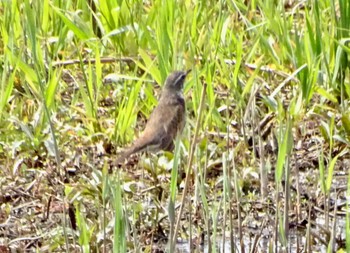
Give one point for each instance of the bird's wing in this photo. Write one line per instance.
(167, 120)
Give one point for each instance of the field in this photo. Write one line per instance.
(261, 166)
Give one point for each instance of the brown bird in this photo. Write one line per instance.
(166, 121)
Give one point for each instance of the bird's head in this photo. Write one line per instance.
(175, 81)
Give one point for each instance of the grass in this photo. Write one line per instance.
(270, 151)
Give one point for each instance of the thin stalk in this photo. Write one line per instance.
(238, 197)
(188, 176)
(286, 202)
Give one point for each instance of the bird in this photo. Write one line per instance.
(166, 121)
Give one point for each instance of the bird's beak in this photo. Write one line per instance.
(188, 71)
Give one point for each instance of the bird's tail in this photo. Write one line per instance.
(140, 145)
(128, 152)
(124, 156)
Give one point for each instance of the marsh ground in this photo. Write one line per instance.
(262, 165)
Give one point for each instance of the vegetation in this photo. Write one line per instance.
(262, 164)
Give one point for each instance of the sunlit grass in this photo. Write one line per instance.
(254, 58)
